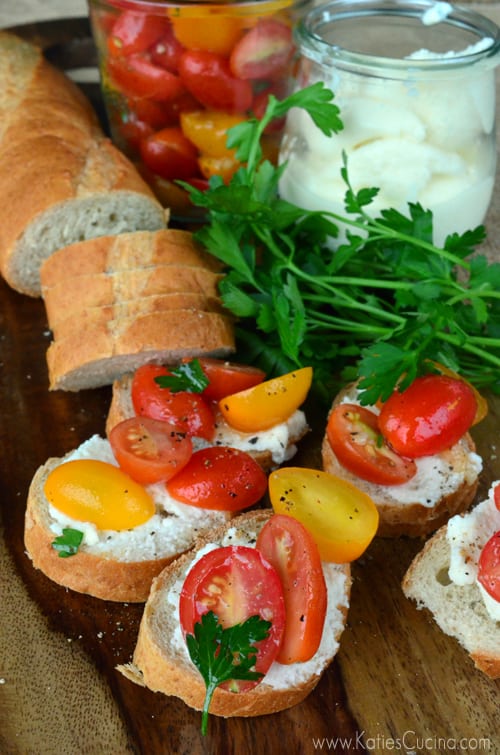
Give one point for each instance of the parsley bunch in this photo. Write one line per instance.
(379, 307)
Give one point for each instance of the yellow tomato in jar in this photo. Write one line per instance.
(341, 518)
(213, 32)
(207, 129)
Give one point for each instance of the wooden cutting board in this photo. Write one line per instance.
(397, 685)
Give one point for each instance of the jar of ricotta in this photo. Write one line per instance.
(415, 84)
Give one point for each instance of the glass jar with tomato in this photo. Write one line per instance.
(176, 76)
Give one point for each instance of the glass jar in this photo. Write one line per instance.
(415, 84)
(176, 75)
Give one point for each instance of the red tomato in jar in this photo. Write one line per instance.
(167, 51)
(189, 411)
(264, 52)
(133, 131)
(137, 76)
(219, 478)
(155, 114)
(355, 438)
(169, 154)
(235, 582)
(292, 551)
(150, 450)
(227, 377)
(135, 32)
(431, 415)
(208, 77)
(489, 567)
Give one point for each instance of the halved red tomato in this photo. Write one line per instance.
(228, 377)
(264, 51)
(137, 76)
(135, 32)
(208, 77)
(167, 51)
(169, 154)
(291, 549)
(431, 415)
(489, 566)
(496, 496)
(150, 450)
(356, 441)
(189, 411)
(235, 583)
(219, 478)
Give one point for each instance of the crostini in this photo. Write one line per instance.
(457, 578)
(418, 475)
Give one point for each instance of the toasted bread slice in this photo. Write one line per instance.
(445, 484)
(161, 661)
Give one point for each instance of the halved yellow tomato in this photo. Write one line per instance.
(214, 32)
(268, 403)
(207, 129)
(95, 491)
(341, 518)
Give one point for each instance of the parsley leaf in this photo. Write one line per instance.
(223, 654)
(68, 543)
(188, 376)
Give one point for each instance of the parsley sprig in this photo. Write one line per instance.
(187, 376)
(379, 307)
(223, 654)
(68, 543)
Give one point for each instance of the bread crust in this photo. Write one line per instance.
(155, 667)
(406, 519)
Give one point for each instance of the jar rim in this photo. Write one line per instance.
(219, 6)
(311, 28)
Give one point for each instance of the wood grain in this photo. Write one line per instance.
(397, 685)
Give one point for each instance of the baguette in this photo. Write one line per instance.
(452, 593)
(445, 484)
(269, 449)
(161, 661)
(61, 179)
(108, 351)
(120, 566)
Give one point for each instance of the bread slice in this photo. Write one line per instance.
(126, 251)
(161, 661)
(120, 566)
(457, 609)
(106, 351)
(269, 449)
(61, 179)
(445, 484)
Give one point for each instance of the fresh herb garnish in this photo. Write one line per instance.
(379, 307)
(221, 654)
(68, 543)
(188, 376)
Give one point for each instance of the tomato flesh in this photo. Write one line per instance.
(496, 496)
(267, 404)
(150, 450)
(341, 518)
(235, 582)
(355, 439)
(100, 493)
(430, 416)
(489, 566)
(226, 378)
(189, 411)
(264, 52)
(219, 478)
(292, 551)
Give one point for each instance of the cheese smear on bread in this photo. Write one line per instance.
(467, 536)
(281, 676)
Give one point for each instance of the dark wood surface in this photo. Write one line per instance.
(397, 685)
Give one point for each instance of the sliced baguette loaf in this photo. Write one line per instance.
(161, 661)
(111, 565)
(61, 179)
(107, 351)
(445, 484)
(457, 609)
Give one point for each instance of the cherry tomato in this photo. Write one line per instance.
(226, 377)
(268, 403)
(482, 404)
(225, 167)
(356, 441)
(189, 411)
(431, 415)
(219, 478)
(97, 492)
(167, 51)
(292, 551)
(207, 76)
(208, 130)
(135, 32)
(136, 76)
(341, 518)
(235, 582)
(264, 52)
(150, 450)
(169, 154)
(133, 131)
(155, 114)
(213, 33)
(496, 496)
(489, 567)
